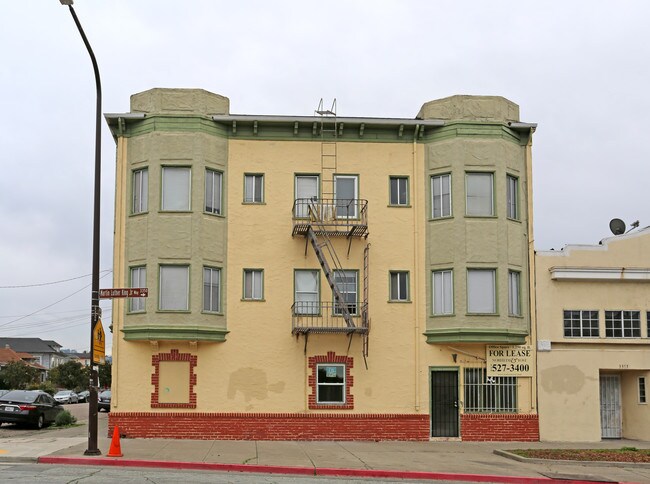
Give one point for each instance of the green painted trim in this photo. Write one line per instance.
(205, 187)
(175, 333)
(476, 335)
(189, 288)
(471, 129)
(254, 202)
(220, 312)
(243, 284)
(161, 123)
(408, 286)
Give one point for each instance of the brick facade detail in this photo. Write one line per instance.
(331, 357)
(173, 355)
(499, 427)
(269, 426)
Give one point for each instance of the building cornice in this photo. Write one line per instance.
(634, 274)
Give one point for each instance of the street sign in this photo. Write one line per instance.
(99, 343)
(124, 292)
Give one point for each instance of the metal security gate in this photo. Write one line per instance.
(444, 403)
(610, 407)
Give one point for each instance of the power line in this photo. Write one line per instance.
(50, 283)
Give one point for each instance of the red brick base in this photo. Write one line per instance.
(499, 427)
(271, 426)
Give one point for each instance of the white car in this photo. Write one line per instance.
(66, 396)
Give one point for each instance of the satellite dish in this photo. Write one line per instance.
(617, 226)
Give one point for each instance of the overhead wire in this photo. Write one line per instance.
(50, 283)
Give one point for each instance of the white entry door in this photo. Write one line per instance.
(610, 407)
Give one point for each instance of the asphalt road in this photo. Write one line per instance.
(78, 410)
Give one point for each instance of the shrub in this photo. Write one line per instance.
(64, 418)
(48, 387)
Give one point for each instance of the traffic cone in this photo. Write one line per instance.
(115, 450)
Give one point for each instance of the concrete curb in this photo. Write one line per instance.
(590, 463)
(304, 471)
(6, 459)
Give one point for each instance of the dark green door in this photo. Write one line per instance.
(444, 403)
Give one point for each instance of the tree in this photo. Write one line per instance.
(105, 375)
(17, 375)
(71, 375)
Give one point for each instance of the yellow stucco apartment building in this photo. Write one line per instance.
(323, 277)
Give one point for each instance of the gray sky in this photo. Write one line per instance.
(579, 69)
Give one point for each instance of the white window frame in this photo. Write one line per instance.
(442, 283)
(353, 304)
(396, 292)
(211, 282)
(140, 191)
(624, 322)
(319, 384)
(398, 186)
(514, 293)
(169, 203)
(347, 208)
(302, 210)
(475, 204)
(475, 304)
(253, 291)
(512, 197)
(181, 285)
(213, 192)
(138, 276)
(253, 182)
(583, 323)
(306, 302)
(438, 185)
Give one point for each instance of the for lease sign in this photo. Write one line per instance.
(509, 360)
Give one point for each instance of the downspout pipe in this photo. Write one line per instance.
(416, 270)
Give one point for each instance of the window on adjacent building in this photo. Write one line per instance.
(479, 193)
(138, 279)
(253, 284)
(622, 324)
(581, 324)
(514, 293)
(346, 282)
(307, 292)
(481, 291)
(330, 385)
(346, 194)
(485, 394)
(512, 196)
(212, 289)
(213, 186)
(174, 288)
(642, 394)
(176, 188)
(399, 190)
(399, 286)
(140, 191)
(307, 187)
(440, 196)
(443, 292)
(254, 188)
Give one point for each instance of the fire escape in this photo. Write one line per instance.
(319, 220)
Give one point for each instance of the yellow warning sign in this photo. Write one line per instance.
(99, 343)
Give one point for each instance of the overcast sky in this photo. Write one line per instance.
(580, 69)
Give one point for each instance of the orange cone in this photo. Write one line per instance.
(115, 450)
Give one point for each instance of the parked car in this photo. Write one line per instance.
(83, 396)
(66, 396)
(2, 392)
(104, 401)
(28, 407)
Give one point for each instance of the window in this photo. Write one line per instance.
(642, 394)
(212, 289)
(479, 194)
(346, 192)
(485, 394)
(581, 324)
(399, 286)
(346, 282)
(514, 293)
(253, 188)
(481, 291)
(213, 185)
(138, 279)
(622, 324)
(440, 196)
(140, 190)
(443, 292)
(174, 288)
(253, 284)
(307, 292)
(512, 194)
(399, 190)
(176, 188)
(306, 191)
(330, 386)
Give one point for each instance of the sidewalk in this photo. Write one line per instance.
(468, 461)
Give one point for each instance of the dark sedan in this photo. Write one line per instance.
(104, 401)
(28, 407)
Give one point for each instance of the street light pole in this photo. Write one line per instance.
(94, 308)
